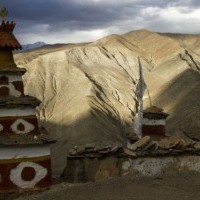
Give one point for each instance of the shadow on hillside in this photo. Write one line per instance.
(183, 96)
(98, 129)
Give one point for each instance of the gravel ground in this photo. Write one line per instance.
(169, 187)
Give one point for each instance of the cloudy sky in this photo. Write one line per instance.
(69, 21)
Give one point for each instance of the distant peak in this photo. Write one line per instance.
(35, 45)
(140, 31)
(108, 38)
(143, 30)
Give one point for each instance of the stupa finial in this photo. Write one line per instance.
(3, 12)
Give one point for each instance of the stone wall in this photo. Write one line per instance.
(151, 166)
(96, 169)
(143, 157)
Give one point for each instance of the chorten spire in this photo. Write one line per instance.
(3, 12)
(8, 42)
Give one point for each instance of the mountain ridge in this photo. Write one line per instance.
(88, 89)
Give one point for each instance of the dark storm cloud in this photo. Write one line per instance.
(72, 13)
(192, 3)
(57, 15)
(52, 17)
(168, 3)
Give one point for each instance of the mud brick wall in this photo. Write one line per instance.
(95, 169)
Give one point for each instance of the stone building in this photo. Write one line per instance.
(25, 157)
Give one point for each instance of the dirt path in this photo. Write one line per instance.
(169, 187)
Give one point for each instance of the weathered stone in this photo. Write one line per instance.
(91, 167)
(181, 145)
(197, 146)
(162, 151)
(110, 166)
(143, 142)
(102, 148)
(74, 172)
(105, 151)
(175, 151)
(93, 155)
(90, 150)
(72, 152)
(80, 149)
(172, 142)
(133, 147)
(91, 145)
(175, 140)
(189, 144)
(152, 146)
(132, 137)
(164, 143)
(114, 149)
(125, 168)
(101, 175)
(130, 153)
(126, 165)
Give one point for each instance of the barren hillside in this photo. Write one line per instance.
(87, 90)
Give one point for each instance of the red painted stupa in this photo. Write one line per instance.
(25, 157)
(154, 121)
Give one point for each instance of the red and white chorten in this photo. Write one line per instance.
(154, 121)
(25, 157)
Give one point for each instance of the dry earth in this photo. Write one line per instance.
(87, 90)
(171, 186)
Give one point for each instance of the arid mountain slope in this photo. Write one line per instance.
(189, 41)
(87, 90)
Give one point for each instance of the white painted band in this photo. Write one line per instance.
(13, 77)
(12, 90)
(25, 152)
(28, 127)
(16, 178)
(154, 122)
(27, 111)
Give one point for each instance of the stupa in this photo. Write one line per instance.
(25, 157)
(154, 121)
